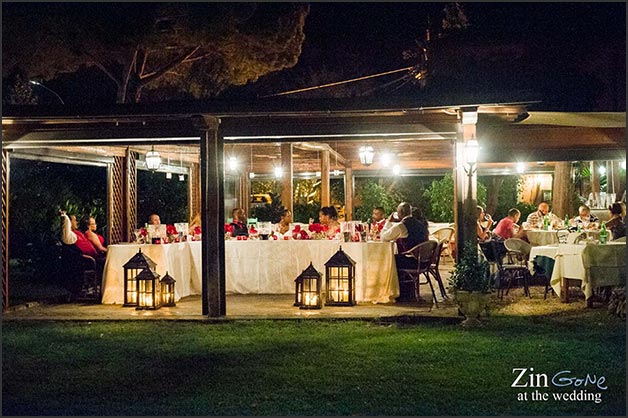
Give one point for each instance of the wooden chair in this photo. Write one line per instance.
(424, 254)
(445, 235)
(518, 253)
(79, 274)
(562, 235)
(434, 269)
(494, 251)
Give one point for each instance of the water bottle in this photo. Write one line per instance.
(603, 234)
(546, 222)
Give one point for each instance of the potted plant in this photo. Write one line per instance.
(470, 284)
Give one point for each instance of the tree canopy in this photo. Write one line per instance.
(154, 51)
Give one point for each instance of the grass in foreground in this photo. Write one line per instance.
(307, 367)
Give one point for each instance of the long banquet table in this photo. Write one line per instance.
(259, 267)
(593, 264)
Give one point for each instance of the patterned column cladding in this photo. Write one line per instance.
(194, 195)
(117, 201)
(5, 230)
(131, 193)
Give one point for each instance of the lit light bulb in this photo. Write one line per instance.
(251, 175)
(396, 169)
(168, 175)
(386, 159)
(278, 172)
(233, 163)
(623, 165)
(336, 172)
(181, 177)
(521, 167)
(602, 170)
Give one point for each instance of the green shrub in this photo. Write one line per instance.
(471, 272)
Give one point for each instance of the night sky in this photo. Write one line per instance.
(573, 54)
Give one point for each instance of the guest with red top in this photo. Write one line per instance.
(70, 234)
(508, 228)
(239, 223)
(88, 227)
(328, 217)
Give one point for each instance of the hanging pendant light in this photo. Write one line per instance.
(366, 154)
(153, 159)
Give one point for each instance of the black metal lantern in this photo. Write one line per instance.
(307, 293)
(340, 280)
(167, 290)
(132, 268)
(148, 290)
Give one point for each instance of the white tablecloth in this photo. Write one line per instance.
(259, 266)
(541, 237)
(175, 259)
(570, 263)
(272, 266)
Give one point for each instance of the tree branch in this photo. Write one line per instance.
(147, 78)
(104, 68)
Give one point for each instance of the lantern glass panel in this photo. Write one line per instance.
(148, 291)
(311, 293)
(167, 294)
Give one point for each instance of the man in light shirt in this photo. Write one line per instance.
(406, 231)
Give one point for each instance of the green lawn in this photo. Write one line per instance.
(307, 367)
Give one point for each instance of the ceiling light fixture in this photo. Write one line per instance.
(153, 159)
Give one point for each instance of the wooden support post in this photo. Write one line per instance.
(348, 192)
(595, 177)
(194, 192)
(562, 190)
(465, 185)
(244, 192)
(213, 219)
(325, 194)
(5, 229)
(286, 181)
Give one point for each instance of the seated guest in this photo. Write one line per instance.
(378, 220)
(508, 228)
(617, 222)
(153, 219)
(484, 223)
(535, 219)
(88, 227)
(284, 221)
(328, 216)
(407, 231)
(71, 235)
(584, 218)
(239, 223)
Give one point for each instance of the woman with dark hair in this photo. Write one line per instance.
(88, 227)
(484, 232)
(617, 222)
(328, 216)
(284, 221)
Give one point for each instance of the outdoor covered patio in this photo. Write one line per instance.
(301, 138)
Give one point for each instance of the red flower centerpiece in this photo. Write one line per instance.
(172, 233)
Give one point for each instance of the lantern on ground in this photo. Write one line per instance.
(167, 290)
(340, 280)
(132, 268)
(148, 290)
(308, 289)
